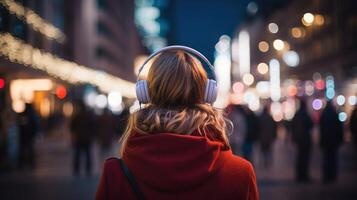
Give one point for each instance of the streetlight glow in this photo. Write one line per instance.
(263, 46)
(262, 68)
(17, 51)
(278, 44)
(308, 19)
(273, 28)
(291, 58)
(248, 79)
(319, 20)
(244, 52)
(275, 91)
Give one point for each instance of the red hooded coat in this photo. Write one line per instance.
(174, 166)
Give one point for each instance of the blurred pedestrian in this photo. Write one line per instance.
(353, 127)
(9, 119)
(121, 122)
(176, 147)
(238, 118)
(331, 137)
(28, 126)
(106, 133)
(252, 133)
(83, 130)
(268, 129)
(301, 135)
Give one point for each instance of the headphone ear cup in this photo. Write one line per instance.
(142, 91)
(211, 91)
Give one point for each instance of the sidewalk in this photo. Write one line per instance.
(52, 178)
(278, 182)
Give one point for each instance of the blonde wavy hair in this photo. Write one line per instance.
(177, 83)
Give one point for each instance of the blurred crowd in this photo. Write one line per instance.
(85, 128)
(260, 131)
(252, 132)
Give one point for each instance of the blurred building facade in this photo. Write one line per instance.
(51, 51)
(104, 35)
(152, 20)
(97, 34)
(303, 49)
(321, 32)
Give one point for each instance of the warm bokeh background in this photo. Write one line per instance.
(68, 71)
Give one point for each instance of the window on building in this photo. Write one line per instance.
(103, 53)
(4, 15)
(18, 28)
(102, 4)
(104, 30)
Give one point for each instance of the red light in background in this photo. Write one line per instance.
(292, 90)
(61, 92)
(2, 83)
(320, 84)
(238, 87)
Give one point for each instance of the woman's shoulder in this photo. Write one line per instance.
(239, 174)
(113, 172)
(239, 165)
(113, 161)
(113, 184)
(112, 166)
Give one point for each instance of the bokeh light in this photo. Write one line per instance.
(274, 73)
(263, 68)
(307, 19)
(320, 84)
(352, 100)
(342, 116)
(289, 108)
(340, 100)
(114, 100)
(309, 88)
(317, 104)
(67, 109)
(319, 20)
(292, 90)
(101, 101)
(273, 28)
(330, 83)
(263, 46)
(263, 89)
(89, 98)
(22, 53)
(248, 79)
(278, 44)
(297, 32)
(291, 58)
(252, 8)
(277, 111)
(18, 106)
(316, 76)
(330, 93)
(61, 92)
(34, 20)
(2, 83)
(238, 87)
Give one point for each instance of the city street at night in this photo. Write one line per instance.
(191, 99)
(53, 178)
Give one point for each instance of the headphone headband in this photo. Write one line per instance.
(179, 47)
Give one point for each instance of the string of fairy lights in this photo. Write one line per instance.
(19, 52)
(34, 20)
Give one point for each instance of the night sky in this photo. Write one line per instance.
(200, 23)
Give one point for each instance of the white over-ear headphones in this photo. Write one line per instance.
(142, 87)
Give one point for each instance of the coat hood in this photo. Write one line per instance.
(173, 162)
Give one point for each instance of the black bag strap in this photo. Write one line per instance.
(131, 180)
